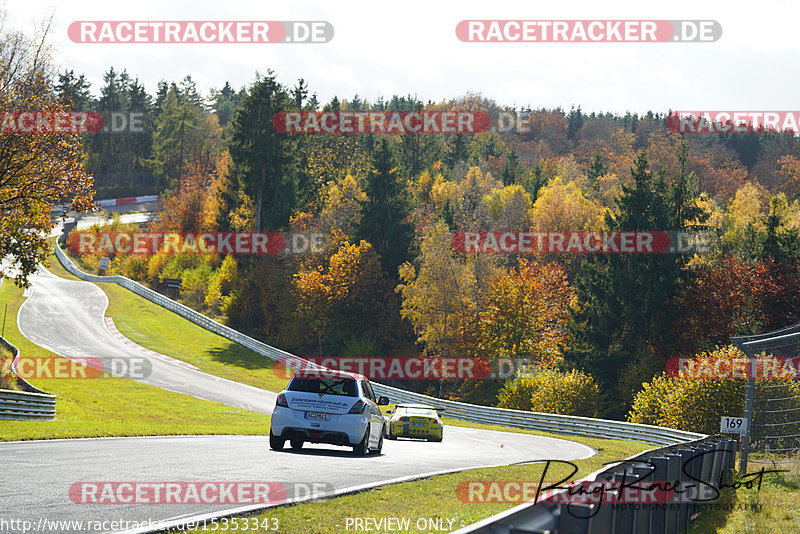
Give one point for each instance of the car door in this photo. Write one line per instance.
(375, 416)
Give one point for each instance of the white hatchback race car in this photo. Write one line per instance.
(334, 407)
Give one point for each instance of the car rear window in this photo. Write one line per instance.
(418, 411)
(341, 387)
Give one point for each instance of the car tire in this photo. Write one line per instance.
(378, 450)
(363, 447)
(437, 440)
(389, 434)
(296, 444)
(276, 443)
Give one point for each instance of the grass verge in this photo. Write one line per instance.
(773, 508)
(151, 411)
(161, 330)
(435, 498)
(116, 406)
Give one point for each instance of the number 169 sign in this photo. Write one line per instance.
(733, 425)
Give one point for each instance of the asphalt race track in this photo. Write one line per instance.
(42, 472)
(66, 317)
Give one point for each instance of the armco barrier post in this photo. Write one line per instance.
(543, 518)
(696, 471)
(575, 518)
(603, 520)
(730, 457)
(641, 521)
(720, 461)
(706, 471)
(709, 460)
(624, 514)
(688, 467)
(658, 516)
(674, 474)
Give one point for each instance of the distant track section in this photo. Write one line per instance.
(128, 200)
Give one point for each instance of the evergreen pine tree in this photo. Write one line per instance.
(383, 215)
(624, 297)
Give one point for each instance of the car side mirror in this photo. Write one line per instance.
(383, 401)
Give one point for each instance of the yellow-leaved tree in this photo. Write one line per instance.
(37, 169)
(347, 299)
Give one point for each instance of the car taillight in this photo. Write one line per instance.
(405, 419)
(358, 407)
(282, 401)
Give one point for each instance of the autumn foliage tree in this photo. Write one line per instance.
(348, 299)
(726, 298)
(524, 314)
(689, 404)
(439, 292)
(552, 391)
(37, 170)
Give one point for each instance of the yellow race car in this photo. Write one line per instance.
(415, 421)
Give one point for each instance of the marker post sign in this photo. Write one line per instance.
(733, 425)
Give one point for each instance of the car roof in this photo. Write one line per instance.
(420, 406)
(324, 373)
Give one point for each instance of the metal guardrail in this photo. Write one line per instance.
(562, 424)
(559, 424)
(696, 466)
(184, 311)
(29, 404)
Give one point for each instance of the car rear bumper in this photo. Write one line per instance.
(408, 431)
(317, 436)
(341, 429)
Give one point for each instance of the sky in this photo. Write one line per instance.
(410, 47)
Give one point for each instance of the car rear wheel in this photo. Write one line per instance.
(363, 447)
(389, 434)
(296, 444)
(380, 444)
(275, 442)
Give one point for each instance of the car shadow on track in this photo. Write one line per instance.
(344, 453)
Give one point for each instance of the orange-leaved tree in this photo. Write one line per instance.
(524, 314)
(37, 169)
(348, 299)
(725, 298)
